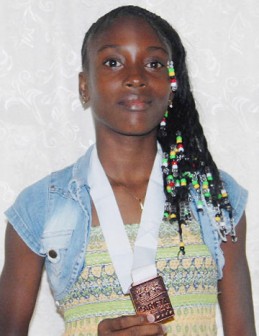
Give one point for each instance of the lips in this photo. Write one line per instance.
(135, 102)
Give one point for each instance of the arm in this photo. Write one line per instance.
(19, 284)
(235, 295)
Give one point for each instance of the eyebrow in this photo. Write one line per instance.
(115, 46)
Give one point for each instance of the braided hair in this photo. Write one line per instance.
(187, 162)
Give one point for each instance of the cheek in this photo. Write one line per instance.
(161, 88)
(163, 94)
(103, 90)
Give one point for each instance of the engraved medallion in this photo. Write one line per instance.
(151, 297)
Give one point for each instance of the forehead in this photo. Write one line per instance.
(126, 30)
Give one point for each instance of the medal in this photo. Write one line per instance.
(151, 297)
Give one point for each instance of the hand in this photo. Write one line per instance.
(139, 325)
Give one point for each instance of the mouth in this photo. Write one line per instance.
(135, 103)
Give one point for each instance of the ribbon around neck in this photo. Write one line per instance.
(130, 266)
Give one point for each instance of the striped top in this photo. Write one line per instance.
(191, 281)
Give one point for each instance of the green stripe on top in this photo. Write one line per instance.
(193, 299)
(191, 251)
(108, 308)
(118, 307)
(98, 258)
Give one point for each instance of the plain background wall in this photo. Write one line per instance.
(43, 126)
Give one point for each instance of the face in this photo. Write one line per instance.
(127, 79)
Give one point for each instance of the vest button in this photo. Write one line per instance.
(53, 254)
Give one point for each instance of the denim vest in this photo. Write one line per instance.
(53, 217)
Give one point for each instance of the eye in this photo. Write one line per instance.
(112, 63)
(155, 65)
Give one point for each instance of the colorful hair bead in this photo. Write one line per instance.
(168, 189)
(217, 217)
(166, 214)
(171, 73)
(205, 185)
(180, 148)
(209, 176)
(181, 248)
(165, 160)
(183, 182)
(179, 138)
(195, 184)
(172, 154)
(163, 125)
(224, 193)
(174, 164)
(163, 122)
(173, 217)
(175, 168)
(177, 183)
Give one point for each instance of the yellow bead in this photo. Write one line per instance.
(183, 182)
(224, 193)
(179, 139)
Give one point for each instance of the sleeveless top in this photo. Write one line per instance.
(191, 281)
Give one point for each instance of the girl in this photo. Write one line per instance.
(150, 162)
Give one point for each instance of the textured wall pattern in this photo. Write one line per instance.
(43, 126)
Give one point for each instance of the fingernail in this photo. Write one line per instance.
(151, 318)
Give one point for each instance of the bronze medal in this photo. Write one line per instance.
(151, 297)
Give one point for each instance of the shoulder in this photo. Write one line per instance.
(31, 209)
(37, 195)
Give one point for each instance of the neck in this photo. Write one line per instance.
(127, 160)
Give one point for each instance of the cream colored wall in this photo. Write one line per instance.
(43, 126)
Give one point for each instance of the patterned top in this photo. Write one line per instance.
(191, 281)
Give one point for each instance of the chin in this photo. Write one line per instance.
(138, 132)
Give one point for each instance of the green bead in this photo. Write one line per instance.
(166, 214)
(179, 139)
(170, 177)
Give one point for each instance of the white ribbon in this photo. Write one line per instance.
(130, 267)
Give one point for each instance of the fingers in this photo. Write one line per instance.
(124, 322)
(137, 325)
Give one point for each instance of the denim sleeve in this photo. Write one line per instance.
(27, 214)
(210, 231)
(237, 197)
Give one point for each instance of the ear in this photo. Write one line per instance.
(83, 88)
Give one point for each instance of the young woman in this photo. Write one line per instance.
(98, 225)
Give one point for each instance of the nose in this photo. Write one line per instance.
(135, 78)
